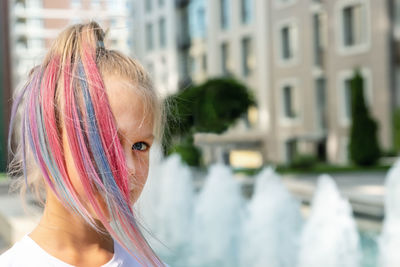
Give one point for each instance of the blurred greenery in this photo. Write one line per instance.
(363, 147)
(304, 161)
(210, 107)
(396, 129)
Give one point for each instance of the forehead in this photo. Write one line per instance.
(130, 106)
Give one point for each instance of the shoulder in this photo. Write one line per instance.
(21, 254)
(14, 256)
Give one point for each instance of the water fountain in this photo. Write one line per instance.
(217, 227)
(389, 241)
(330, 237)
(218, 215)
(273, 224)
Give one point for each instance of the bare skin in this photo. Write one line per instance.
(65, 235)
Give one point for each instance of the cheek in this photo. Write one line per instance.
(138, 168)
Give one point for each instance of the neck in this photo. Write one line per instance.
(62, 229)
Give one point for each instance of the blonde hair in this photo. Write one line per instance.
(69, 87)
(109, 62)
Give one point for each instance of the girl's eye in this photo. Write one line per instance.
(140, 146)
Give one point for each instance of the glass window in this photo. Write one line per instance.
(201, 20)
(397, 12)
(225, 58)
(95, 3)
(197, 19)
(246, 56)
(291, 150)
(286, 42)
(347, 99)
(320, 102)
(224, 13)
(318, 49)
(288, 103)
(354, 25)
(204, 62)
(162, 32)
(246, 11)
(76, 3)
(149, 36)
(148, 5)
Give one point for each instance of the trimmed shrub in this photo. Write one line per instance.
(364, 148)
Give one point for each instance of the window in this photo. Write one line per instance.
(287, 51)
(34, 4)
(397, 12)
(246, 11)
(288, 103)
(318, 44)
(225, 59)
(197, 20)
(354, 25)
(247, 57)
(161, 3)
(201, 20)
(148, 5)
(224, 13)
(162, 32)
(95, 4)
(149, 36)
(35, 43)
(76, 3)
(347, 99)
(36, 23)
(320, 103)
(290, 150)
(204, 62)
(287, 43)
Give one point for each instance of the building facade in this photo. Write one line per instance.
(298, 57)
(35, 23)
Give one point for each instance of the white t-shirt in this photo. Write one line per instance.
(27, 252)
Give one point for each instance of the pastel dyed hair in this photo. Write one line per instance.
(66, 95)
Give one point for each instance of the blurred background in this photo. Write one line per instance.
(306, 86)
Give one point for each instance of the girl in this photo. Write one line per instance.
(89, 117)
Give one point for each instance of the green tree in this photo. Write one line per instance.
(210, 107)
(364, 147)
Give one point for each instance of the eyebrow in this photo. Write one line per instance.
(125, 136)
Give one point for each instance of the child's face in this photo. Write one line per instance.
(135, 130)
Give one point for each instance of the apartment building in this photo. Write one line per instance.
(298, 57)
(162, 41)
(35, 23)
(316, 46)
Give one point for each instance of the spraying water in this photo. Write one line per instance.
(167, 206)
(330, 236)
(272, 229)
(217, 220)
(389, 242)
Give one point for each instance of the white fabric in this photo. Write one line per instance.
(27, 252)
